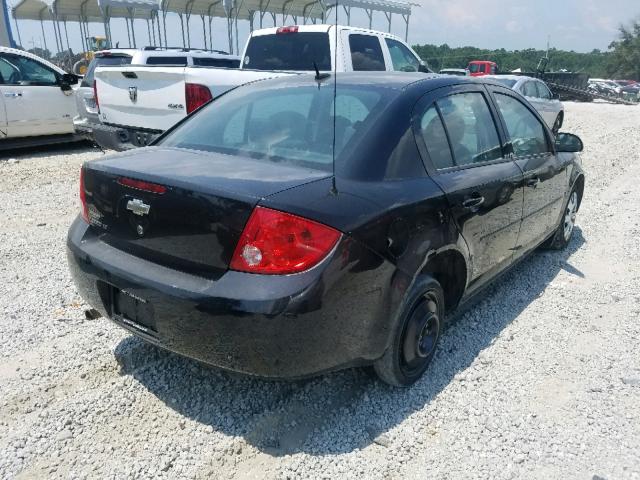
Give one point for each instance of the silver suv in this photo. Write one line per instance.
(85, 99)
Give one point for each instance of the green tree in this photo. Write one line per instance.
(625, 58)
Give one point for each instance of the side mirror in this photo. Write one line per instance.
(69, 79)
(424, 68)
(555, 96)
(568, 143)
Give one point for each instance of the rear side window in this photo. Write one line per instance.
(87, 81)
(216, 62)
(401, 57)
(471, 129)
(525, 130)
(288, 51)
(435, 139)
(366, 53)
(178, 61)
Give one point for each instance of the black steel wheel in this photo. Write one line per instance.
(416, 336)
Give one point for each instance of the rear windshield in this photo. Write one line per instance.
(216, 62)
(177, 60)
(288, 51)
(87, 81)
(505, 81)
(294, 125)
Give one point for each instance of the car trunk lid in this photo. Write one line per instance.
(180, 208)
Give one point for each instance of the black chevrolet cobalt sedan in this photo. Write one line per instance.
(253, 238)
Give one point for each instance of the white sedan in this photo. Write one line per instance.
(37, 104)
(538, 95)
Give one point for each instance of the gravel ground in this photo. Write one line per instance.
(540, 380)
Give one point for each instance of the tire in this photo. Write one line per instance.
(80, 67)
(416, 335)
(562, 236)
(558, 123)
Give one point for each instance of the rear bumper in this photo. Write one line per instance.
(122, 138)
(330, 317)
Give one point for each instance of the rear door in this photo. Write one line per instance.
(458, 134)
(3, 117)
(545, 177)
(30, 86)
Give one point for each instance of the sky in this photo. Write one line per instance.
(580, 25)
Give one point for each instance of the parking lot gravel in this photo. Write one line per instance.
(541, 379)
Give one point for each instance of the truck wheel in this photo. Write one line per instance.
(416, 337)
(80, 67)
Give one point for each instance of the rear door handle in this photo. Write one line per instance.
(473, 202)
(533, 182)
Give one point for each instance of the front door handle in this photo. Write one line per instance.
(13, 94)
(533, 182)
(473, 202)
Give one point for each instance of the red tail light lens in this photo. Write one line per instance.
(196, 95)
(144, 186)
(290, 29)
(278, 243)
(83, 198)
(95, 96)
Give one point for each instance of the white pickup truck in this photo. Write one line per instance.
(138, 103)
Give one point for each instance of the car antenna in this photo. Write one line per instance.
(334, 189)
(319, 76)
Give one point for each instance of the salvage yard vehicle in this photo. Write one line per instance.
(480, 68)
(36, 101)
(87, 109)
(538, 94)
(461, 72)
(268, 235)
(138, 103)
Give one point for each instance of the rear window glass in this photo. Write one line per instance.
(293, 125)
(366, 53)
(216, 62)
(505, 81)
(179, 61)
(87, 81)
(289, 51)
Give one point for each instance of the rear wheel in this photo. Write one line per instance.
(416, 336)
(564, 232)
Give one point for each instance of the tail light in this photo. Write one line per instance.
(278, 243)
(144, 186)
(83, 198)
(95, 96)
(196, 95)
(290, 29)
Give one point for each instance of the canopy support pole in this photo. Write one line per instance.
(44, 37)
(370, 15)
(406, 28)
(149, 32)
(164, 21)
(128, 34)
(388, 15)
(204, 31)
(211, 6)
(184, 43)
(187, 13)
(15, 20)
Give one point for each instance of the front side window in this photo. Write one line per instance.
(471, 129)
(543, 91)
(435, 139)
(401, 57)
(366, 53)
(294, 125)
(18, 70)
(525, 130)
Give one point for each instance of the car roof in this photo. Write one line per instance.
(324, 28)
(390, 80)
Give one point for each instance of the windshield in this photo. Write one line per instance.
(293, 124)
(288, 51)
(474, 67)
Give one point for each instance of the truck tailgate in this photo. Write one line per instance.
(150, 98)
